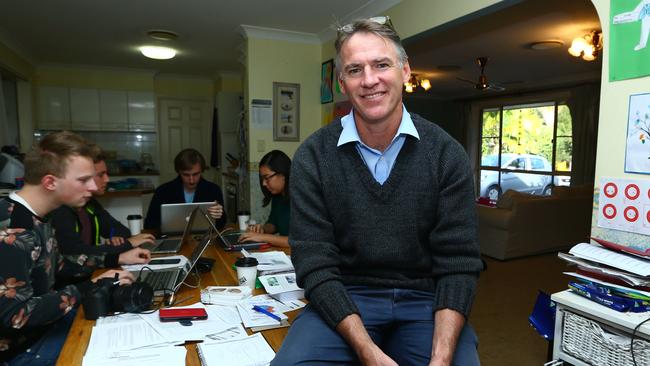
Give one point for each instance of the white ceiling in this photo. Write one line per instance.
(503, 36)
(107, 33)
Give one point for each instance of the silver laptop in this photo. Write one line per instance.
(230, 241)
(174, 216)
(170, 245)
(169, 280)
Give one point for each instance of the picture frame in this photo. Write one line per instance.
(286, 112)
(326, 77)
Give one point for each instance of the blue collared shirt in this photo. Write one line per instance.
(379, 163)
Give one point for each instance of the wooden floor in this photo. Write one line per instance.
(505, 298)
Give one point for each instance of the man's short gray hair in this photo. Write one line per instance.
(385, 31)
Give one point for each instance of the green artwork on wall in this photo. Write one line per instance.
(629, 54)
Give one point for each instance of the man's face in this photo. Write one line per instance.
(372, 77)
(101, 178)
(78, 185)
(191, 177)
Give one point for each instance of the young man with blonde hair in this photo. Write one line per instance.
(34, 315)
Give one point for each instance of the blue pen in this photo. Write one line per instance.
(260, 309)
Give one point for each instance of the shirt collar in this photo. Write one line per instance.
(15, 197)
(351, 134)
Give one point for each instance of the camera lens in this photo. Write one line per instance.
(132, 298)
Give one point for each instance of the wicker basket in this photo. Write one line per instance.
(588, 341)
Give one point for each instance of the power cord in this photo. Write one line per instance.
(632, 340)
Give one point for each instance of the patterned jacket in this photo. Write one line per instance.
(30, 265)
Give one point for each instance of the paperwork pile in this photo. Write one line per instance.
(282, 286)
(609, 276)
(271, 262)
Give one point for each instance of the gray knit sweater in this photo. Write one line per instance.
(416, 231)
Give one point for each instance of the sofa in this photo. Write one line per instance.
(522, 224)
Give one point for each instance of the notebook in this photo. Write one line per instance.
(174, 216)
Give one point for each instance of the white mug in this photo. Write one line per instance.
(135, 224)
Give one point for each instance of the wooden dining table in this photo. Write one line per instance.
(222, 274)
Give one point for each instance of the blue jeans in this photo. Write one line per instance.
(45, 351)
(399, 321)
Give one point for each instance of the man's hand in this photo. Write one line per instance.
(125, 277)
(253, 237)
(116, 241)
(142, 238)
(215, 211)
(449, 324)
(135, 256)
(354, 332)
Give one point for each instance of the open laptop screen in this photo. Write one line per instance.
(174, 216)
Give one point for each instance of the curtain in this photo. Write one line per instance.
(584, 105)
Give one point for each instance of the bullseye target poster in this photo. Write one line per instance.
(624, 204)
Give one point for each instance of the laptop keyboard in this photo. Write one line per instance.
(167, 245)
(160, 280)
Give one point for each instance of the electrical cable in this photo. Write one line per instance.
(632, 340)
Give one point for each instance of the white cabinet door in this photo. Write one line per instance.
(53, 108)
(84, 109)
(142, 112)
(113, 110)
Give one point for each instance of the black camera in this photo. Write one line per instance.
(109, 297)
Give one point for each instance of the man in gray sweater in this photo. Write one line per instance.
(383, 227)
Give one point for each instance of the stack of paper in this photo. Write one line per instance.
(258, 321)
(249, 351)
(271, 262)
(282, 286)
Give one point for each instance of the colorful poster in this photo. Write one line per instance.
(629, 54)
(326, 73)
(637, 148)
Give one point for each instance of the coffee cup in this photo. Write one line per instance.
(246, 271)
(242, 220)
(135, 224)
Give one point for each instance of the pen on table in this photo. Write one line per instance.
(260, 309)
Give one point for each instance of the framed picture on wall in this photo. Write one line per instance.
(326, 73)
(286, 112)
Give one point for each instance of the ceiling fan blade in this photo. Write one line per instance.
(467, 81)
(496, 87)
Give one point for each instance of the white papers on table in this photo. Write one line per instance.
(138, 267)
(282, 286)
(174, 331)
(271, 262)
(114, 319)
(249, 351)
(294, 304)
(235, 331)
(594, 267)
(611, 258)
(252, 318)
(168, 355)
(124, 336)
(227, 314)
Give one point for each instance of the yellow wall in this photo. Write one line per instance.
(228, 83)
(184, 87)
(288, 62)
(96, 78)
(11, 61)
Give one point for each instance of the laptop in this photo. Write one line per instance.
(230, 241)
(174, 216)
(169, 280)
(172, 245)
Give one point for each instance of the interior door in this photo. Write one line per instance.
(183, 123)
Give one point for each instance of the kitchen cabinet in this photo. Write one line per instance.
(113, 110)
(142, 112)
(53, 108)
(84, 109)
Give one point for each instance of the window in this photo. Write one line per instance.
(526, 148)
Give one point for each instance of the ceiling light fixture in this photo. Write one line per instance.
(162, 34)
(545, 45)
(157, 52)
(414, 82)
(587, 46)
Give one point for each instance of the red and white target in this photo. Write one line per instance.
(632, 191)
(609, 211)
(631, 214)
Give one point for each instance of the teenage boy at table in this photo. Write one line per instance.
(90, 236)
(34, 317)
(187, 187)
(383, 227)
